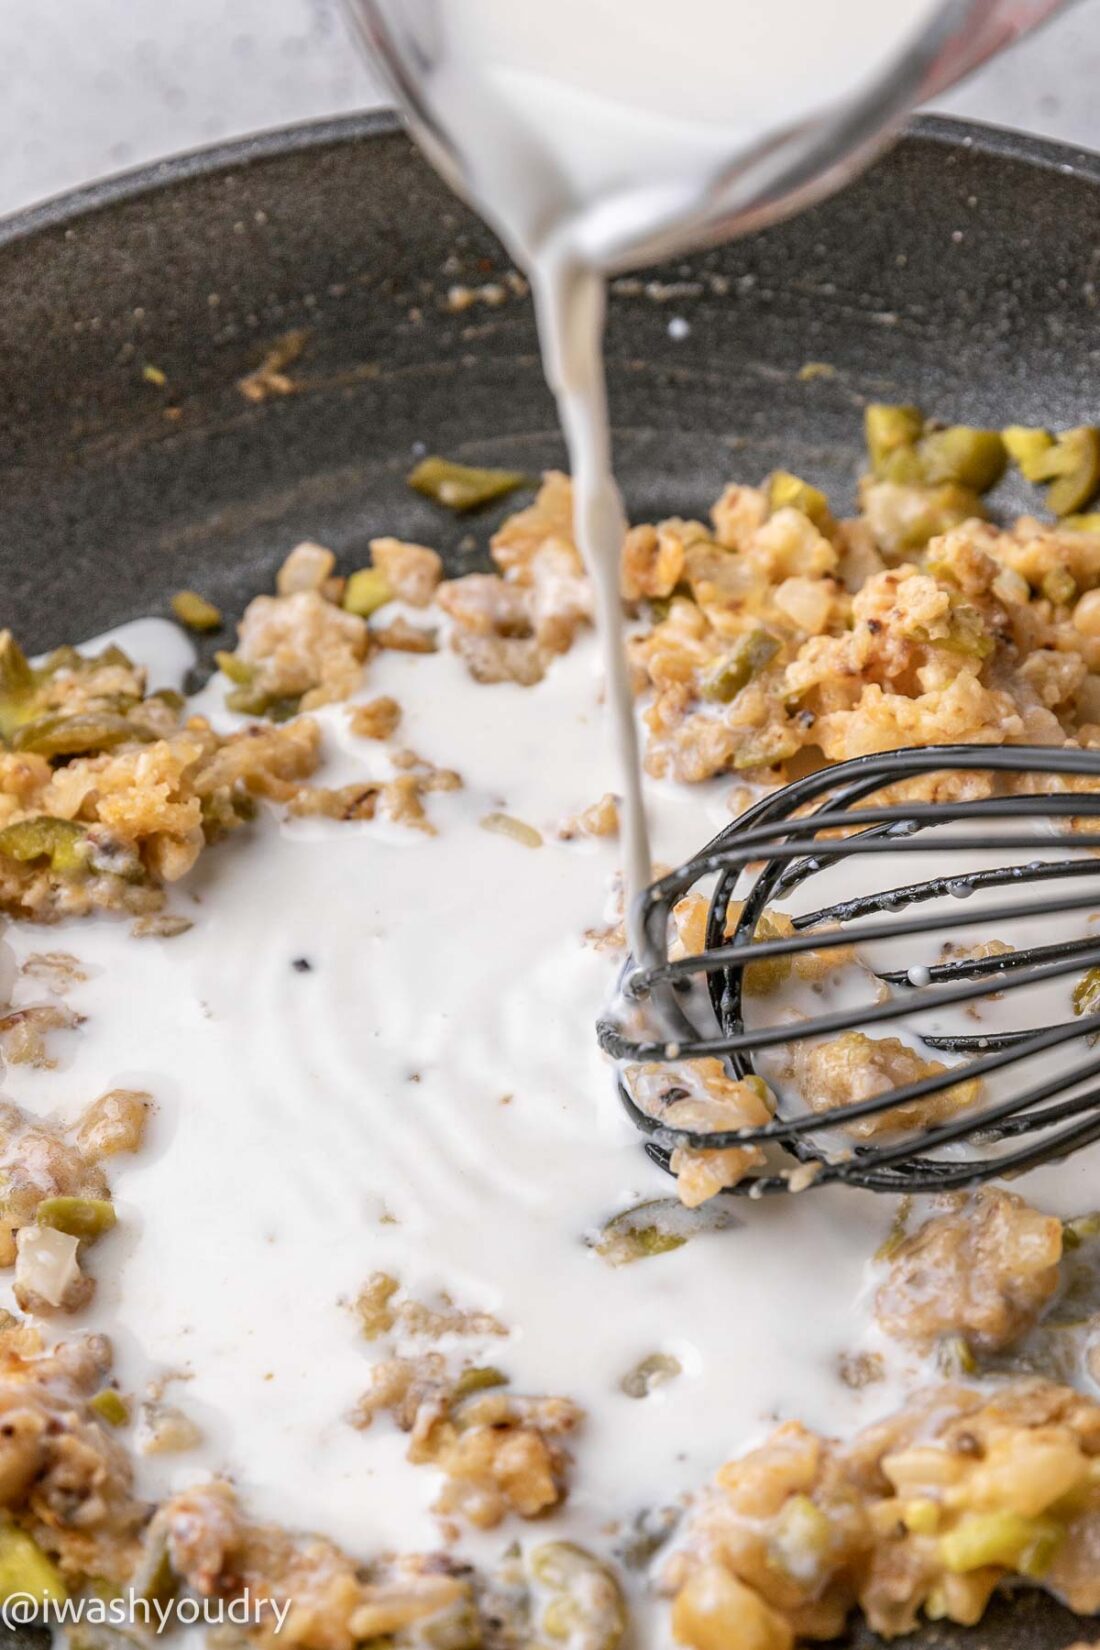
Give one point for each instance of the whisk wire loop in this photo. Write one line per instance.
(693, 1005)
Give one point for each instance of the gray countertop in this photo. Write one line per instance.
(94, 86)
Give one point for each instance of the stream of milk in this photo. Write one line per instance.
(587, 132)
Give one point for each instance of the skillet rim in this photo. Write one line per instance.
(117, 188)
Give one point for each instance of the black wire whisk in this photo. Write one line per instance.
(694, 1006)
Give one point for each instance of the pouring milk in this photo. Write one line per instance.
(597, 134)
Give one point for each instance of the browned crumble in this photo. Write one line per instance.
(611, 936)
(689, 937)
(41, 1161)
(66, 1486)
(271, 377)
(165, 1429)
(309, 566)
(959, 641)
(411, 571)
(24, 1032)
(298, 650)
(984, 1269)
(356, 801)
(38, 1161)
(856, 1067)
(114, 1123)
(335, 1602)
(415, 1600)
(430, 776)
(65, 1479)
(401, 1386)
(110, 827)
(377, 719)
(951, 951)
(499, 1453)
(860, 1369)
(700, 1095)
(380, 1312)
(924, 1513)
(400, 798)
(509, 625)
(402, 637)
(491, 293)
(160, 925)
(58, 971)
(598, 819)
(107, 827)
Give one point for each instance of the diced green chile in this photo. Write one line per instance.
(111, 1406)
(237, 669)
(61, 841)
(1081, 1230)
(1070, 462)
(195, 611)
(656, 1227)
(967, 634)
(478, 1378)
(1028, 450)
(788, 491)
(650, 1372)
(904, 448)
(155, 1578)
(1075, 470)
(248, 700)
(86, 1218)
(899, 1231)
(972, 457)
(16, 675)
(276, 707)
(889, 430)
(366, 591)
(955, 1357)
(59, 735)
(16, 685)
(577, 1603)
(751, 654)
(1059, 587)
(775, 745)
(26, 1572)
(645, 1535)
(463, 487)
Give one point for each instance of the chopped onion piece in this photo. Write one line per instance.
(46, 1264)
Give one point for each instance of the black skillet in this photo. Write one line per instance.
(962, 273)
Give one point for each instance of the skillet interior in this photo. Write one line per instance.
(960, 273)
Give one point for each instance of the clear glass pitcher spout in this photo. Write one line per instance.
(537, 109)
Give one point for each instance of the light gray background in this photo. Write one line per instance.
(89, 87)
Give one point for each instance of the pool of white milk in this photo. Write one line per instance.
(426, 1098)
